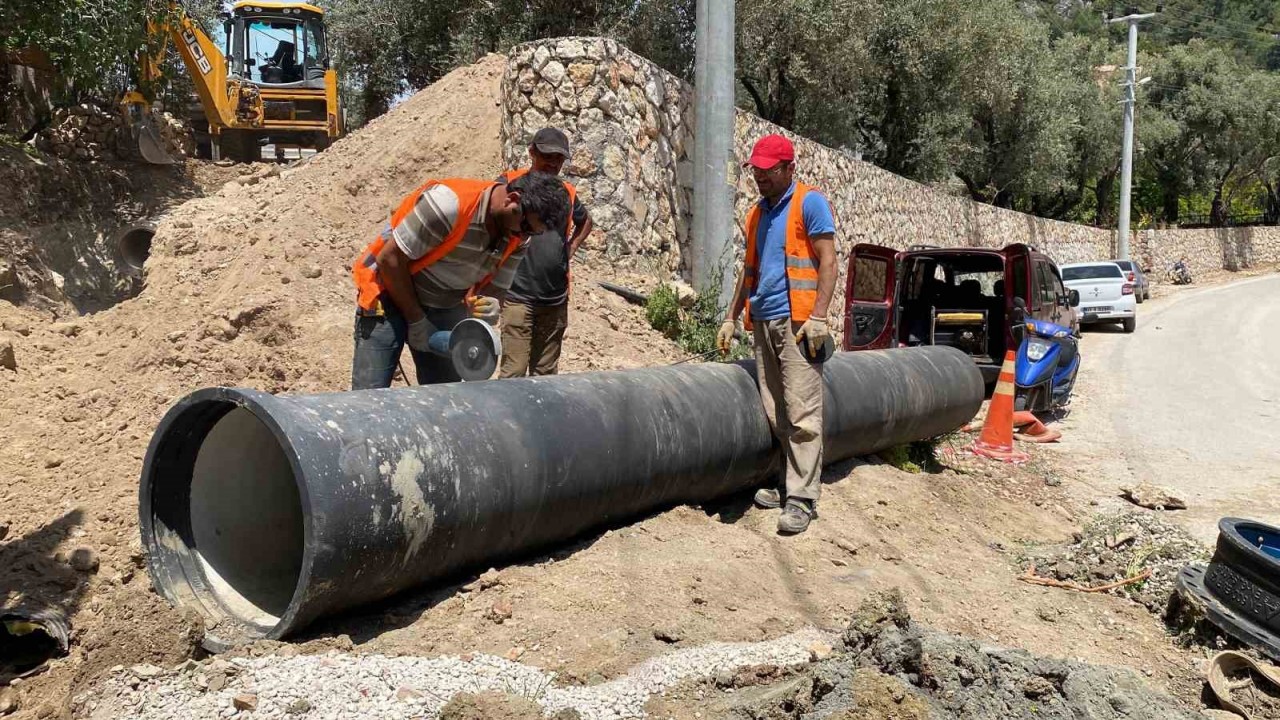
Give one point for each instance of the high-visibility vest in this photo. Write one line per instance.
(802, 262)
(514, 175)
(364, 271)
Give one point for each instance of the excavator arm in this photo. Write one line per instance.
(207, 67)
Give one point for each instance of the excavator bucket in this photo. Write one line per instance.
(150, 144)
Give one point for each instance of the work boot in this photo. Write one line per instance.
(795, 517)
(768, 498)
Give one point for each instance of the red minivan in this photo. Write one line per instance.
(962, 297)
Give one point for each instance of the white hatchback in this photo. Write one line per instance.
(1106, 295)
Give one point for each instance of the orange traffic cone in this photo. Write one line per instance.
(996, 440)
(1032, 430)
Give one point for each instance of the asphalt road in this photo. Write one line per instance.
(1191, 402)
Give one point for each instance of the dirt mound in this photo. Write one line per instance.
(893, 667)
(888, 666)
(961, 678)
(249, 287)
(58, 222)
(492, 706)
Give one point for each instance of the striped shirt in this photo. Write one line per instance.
(444, 283)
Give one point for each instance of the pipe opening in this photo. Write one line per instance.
(29, 640)
(236, 535)
(134, 245)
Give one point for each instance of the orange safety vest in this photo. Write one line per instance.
(802, 262)
(470, 194)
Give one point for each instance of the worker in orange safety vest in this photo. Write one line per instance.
(788, 279)
(446, 243)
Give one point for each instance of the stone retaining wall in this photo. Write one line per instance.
(631, 127)
(1208, 250)
(630, 130)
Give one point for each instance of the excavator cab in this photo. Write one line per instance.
(277, 44)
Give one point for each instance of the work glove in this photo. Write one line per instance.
(815, 332)
(419, 335)
(485, 308)
(724, 338)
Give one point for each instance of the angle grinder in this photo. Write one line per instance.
(473, 346)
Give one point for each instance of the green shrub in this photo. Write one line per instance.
(694, 329)
(663, 311)
(914, 457)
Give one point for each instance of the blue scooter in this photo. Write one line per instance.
(1047, 362)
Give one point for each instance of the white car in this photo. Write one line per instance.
(1106, 295)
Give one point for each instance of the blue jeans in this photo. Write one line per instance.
(380, 340)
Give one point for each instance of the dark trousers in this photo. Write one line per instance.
(380, 340)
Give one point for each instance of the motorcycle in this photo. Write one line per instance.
(1179, 274)
(1046, 364)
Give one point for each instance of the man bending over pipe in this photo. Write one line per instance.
(446, 242)
(788, 278)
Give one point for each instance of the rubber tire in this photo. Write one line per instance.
(1138, 296)
(1129, 324)
(1240, 588)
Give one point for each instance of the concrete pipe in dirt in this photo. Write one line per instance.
(133, 246)
(266, 513)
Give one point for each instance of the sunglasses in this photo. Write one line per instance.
(771, 171)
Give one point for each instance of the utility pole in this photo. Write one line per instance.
(713, 193)
(1131, 99)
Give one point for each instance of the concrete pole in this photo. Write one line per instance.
(1126, 168)
(1126, 160)
(697, 230)
(713, 195)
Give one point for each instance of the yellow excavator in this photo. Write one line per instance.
(271, 82)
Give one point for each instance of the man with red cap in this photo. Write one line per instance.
(788, 279)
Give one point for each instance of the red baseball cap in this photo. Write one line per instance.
(771, 150)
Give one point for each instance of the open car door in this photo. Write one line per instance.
(869, 310)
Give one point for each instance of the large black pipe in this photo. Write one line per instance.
(267, 512)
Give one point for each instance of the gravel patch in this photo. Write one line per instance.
(338, 686)
(1115, 547)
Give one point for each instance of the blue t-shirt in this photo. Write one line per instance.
(770, 300)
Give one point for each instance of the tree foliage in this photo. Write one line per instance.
(95, 44)
(1210, 132)
(1014, 102)
(385, 48)
(92, 43)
